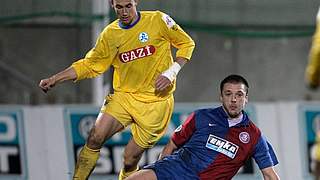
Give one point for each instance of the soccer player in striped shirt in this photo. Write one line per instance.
(214, 143)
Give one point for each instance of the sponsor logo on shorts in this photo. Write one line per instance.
(222, 146)
(244, 137)
(137, 53)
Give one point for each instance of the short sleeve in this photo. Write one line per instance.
(183, 133)
(264, 154)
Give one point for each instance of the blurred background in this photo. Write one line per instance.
(266, 41)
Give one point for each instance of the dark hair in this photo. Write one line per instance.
(234, 78)
(111, 2)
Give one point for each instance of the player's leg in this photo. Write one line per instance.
(131, 157)
(144, 174)
(317, 170)
(104, 127)
(113, 118)
(150, 123)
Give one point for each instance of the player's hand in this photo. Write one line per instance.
(47, 84)
(162, 83)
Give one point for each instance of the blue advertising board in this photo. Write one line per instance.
(309, 118)
(12, 144)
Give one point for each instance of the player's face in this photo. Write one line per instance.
(234, 98)
(126, 10)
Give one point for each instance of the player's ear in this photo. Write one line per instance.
(247, 98)
(136, 1)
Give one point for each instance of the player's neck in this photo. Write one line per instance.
(234, 121)
(239, 116)
(233, 117)
(134, 21)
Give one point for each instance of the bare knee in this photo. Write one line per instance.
(95, 140)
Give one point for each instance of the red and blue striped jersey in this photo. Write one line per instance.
(213, 150)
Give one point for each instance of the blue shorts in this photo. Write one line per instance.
(173, 168)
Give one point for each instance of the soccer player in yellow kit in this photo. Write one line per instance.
(138, 46)
(312, 77)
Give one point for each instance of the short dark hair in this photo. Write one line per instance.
(234, 78)
(111, 2)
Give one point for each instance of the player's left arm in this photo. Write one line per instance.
(177, 37)
(266, 158)
(269, 174)
(168, 76)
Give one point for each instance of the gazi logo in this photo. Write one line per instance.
(137, 53)
(222, 146)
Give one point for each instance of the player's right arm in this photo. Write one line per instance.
(180, 136)
(67, 74)
(96, 62)
(168, 149)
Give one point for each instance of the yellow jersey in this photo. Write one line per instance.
(313, 67)
(139, 53)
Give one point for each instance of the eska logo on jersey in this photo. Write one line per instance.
(222, 146)
(137, 53)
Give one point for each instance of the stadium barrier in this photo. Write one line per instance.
(41, 142)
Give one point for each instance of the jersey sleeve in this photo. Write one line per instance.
(96, 61)
(171, 31)
(183, 133)
(313, 67)
(264, 154)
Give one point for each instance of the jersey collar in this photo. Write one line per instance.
(130, 25)
(244, 122)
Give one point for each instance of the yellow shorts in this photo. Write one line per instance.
(317, 152)
(148, 120)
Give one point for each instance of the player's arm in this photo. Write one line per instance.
(96, 61)
(312, 73)
(180, 136)
(269, 174)
(67, 74)
(168, 76)
(266, 158)
(173, 33)
(168, 149)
